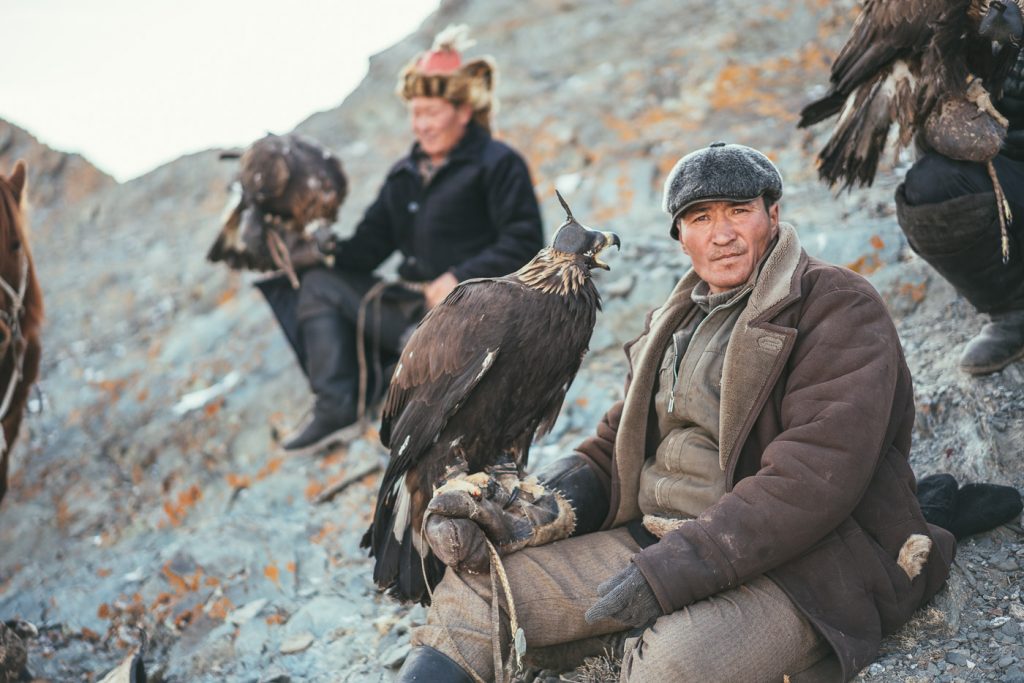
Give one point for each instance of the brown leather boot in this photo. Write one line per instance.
(999, 343)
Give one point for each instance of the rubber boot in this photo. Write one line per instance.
(960, 239)
(329, 344)
(427, 665)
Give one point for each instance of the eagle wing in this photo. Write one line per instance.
(451, 350)
(885, 31)
(285, 183)
(901, 57)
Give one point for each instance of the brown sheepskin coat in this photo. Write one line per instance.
(816, 420)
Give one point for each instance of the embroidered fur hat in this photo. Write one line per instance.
(716, 172)
(440, 72)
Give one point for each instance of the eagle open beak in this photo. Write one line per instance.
(610, 238)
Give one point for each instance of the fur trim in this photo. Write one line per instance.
(659, 526)
(473, 83)
(561, 527)
(914, 554)
(473, 484)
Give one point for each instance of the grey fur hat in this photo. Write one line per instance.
(719, 171)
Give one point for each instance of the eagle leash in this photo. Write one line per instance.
(504, 671)
(373, 297)
(1004, 211)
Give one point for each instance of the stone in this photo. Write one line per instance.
(246, 612)
(296, 643)
(395, 655)
(956, 658)
(321, 615)
(275, 675)
(1017, 611)
(1006, 564)
(621, 287)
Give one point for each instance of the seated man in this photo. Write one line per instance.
(748, 510)
(460, 205)
(948, 211)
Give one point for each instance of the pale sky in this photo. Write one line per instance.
(132, 84)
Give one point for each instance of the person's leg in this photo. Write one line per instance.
(552, 587)
(390, 315)
(749, 634)
(947, 209)
(329, 346)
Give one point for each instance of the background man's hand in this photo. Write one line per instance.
(441, 287)
(305, 254)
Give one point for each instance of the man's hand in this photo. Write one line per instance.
(437, 290)
(467, 510)
(326, 240)
(305, 254)
(626, 598)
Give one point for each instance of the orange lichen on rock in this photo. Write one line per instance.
(177, 509)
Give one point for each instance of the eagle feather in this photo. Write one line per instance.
(903, 59)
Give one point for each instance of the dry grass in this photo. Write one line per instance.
(927, 623)
(602, 669)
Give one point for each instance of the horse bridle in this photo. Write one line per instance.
(12, 318)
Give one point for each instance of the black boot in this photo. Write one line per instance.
(960, 239)
(936, 494)
(980, 507)
(427, 665)
(331, 365)
(967, 510)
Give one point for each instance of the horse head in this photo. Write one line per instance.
(21, 312)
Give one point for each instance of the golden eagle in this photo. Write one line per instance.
(484, 373)
(904, 60)
(287, 186)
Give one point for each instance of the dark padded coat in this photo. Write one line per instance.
(477, 217)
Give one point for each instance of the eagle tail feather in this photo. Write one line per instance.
(399, 566)
(855, 148)
(819, 110)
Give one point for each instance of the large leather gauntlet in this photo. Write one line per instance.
(512, 514)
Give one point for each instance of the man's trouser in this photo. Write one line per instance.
(327, 292)
(947, 209)
(751, 633)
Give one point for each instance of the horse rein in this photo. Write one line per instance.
(12, 318)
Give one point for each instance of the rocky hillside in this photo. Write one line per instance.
(148, 492)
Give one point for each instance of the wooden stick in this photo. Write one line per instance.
(331, 492)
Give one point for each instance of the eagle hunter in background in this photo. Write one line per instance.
(288, 190)
(905, 62)
(484, 373)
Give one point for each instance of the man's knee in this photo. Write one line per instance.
(935, 178)
(325, 290)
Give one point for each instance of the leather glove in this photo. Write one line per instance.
(626, 598)
(305, 254)
(512, 515)
(326, 240)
